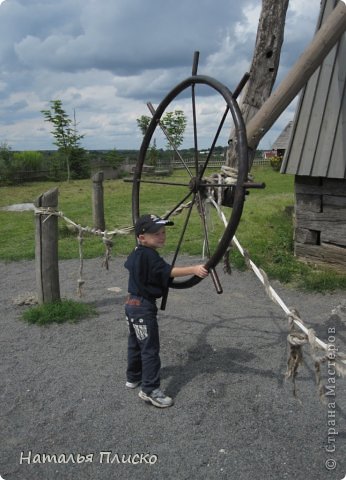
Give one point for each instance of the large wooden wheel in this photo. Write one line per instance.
(193, 184)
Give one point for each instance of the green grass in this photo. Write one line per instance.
(265, 229)
(58, 312)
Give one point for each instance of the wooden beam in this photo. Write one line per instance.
(326, 255)
(324, 40)
(98, 201)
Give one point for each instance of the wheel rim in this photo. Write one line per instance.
(196, 187)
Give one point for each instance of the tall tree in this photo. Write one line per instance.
(264, 67)
(143, 124)
(65, 133)
(174, 124)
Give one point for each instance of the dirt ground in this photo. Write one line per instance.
(65, 413)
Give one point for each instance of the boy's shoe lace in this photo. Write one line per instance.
(157, 398)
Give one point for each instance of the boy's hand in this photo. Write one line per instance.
(198, 270)
(201, 271)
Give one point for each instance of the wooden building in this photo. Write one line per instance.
(281, 143)
(316, 155)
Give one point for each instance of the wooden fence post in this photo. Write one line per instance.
(97, 197)
(46, 249)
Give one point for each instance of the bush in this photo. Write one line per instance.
(19, 167)
(27, 161)
(16, 167)
(276, 162)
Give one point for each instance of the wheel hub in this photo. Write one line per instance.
(196, 184)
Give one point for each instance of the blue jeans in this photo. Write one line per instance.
(143, 359)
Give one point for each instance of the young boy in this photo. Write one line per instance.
(149, 277)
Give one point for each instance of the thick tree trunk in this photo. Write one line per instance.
(264, 65)
(324, 40)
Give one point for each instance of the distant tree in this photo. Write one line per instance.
(5, 152)
(174, 124)
(143, 123)
(5, 162)
(153, 153)
(113, 158)
(66, 138)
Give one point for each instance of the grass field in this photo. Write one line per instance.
(265, 230)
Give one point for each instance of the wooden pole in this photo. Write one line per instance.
(98, 207)
(324, 40)
(46, 249)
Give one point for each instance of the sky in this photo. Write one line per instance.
(105, 59)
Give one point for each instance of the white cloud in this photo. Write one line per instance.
(107, 58)
(246, 29)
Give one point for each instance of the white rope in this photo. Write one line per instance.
(49, 212)
(270, 290)
(106, 238)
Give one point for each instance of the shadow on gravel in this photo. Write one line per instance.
(203, 358)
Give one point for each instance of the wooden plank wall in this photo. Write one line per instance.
(320, 221)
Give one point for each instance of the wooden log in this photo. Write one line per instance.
(264, 67)
(307, 180)
(303, 235)
(334, 216)
(307, 185)
(97, 202)
(320, 186)
(333, 201)
(334, 235)
(46, 249)
(331, 225)
(312, 189)
(333, 186)
(325, 255)
(312, 203)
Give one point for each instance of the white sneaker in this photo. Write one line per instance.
(132, 384)
(157, 398)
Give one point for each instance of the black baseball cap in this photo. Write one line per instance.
(150, 224)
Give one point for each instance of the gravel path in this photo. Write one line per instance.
(224, 357)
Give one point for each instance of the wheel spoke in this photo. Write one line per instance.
(167, 215)
(204, 223)
(152, 111)
(195, 127)
(177, 184)
(184, 229)
(159, 182)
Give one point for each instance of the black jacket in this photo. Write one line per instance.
(149, 273)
